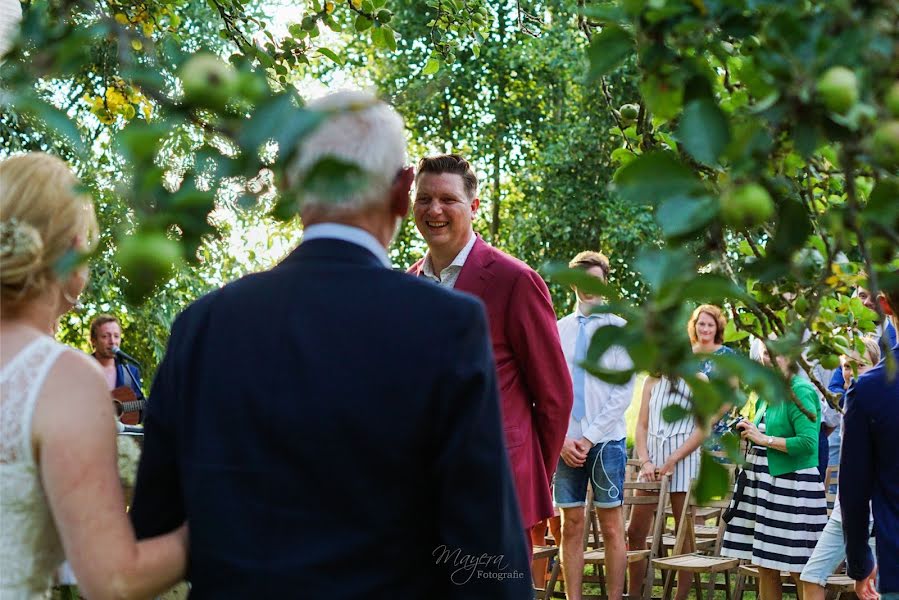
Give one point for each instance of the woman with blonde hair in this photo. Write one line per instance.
(60, 494)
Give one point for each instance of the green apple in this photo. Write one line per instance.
(746, 205)
(146, 259)
(208, 81)
(838, 89)
(891, 101)
(629, 112)
(885, 144)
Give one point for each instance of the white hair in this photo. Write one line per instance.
(359, 129)
(10, 17)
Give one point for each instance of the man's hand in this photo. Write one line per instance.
(584, 445)
(865, 589)
(572, 453)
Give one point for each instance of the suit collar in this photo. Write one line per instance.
(477, 271)
(347, 233)
(329, 249)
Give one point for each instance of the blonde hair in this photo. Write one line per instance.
(712, 311)
(872, 352)
(42, 213)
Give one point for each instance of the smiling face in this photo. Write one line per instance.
(443, 212)
(706, 329)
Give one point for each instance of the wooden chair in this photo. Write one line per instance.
(597, 557)
(831, 480)
(547, 552)
(696, 562)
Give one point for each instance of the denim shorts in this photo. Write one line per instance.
(604, 468)
(829, 552)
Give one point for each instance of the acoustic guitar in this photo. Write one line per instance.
(128, 407)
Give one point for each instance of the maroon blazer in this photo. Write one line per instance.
(535, 385)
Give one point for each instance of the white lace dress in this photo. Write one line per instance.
(30, 549)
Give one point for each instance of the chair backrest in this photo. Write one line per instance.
(831, 486)
(659, 498)
(686, 534)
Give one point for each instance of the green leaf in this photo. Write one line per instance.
(608, 50)
(432, 66)
(680, 216)
(793, 228)
(654, 177)
(332, 55)
(333, 179)
(282, 121)
(704, 130)
(715, 289)
(362, 23)
(713, 482)
(562, 274)
(389, 37)
(675, 412)
(609, 376)
(663, 97)
(883, 202)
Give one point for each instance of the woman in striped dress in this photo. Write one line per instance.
(664, 448)
(782, 511)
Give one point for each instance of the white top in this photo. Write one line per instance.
(30, 548)
(604, 403)
(664, 394)
(347, 233)
(450, 274)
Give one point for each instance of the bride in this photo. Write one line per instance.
(60, 494)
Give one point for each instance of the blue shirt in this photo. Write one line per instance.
(869, 472)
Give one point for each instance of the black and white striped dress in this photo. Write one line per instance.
(664, 437)
(779, 519)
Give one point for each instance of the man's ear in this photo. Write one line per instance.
(885, 305)
(399, 192)
(474, 206)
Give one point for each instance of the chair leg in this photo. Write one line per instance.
(666, 589)
(739, 585)
(648, 580)
(551, 584)
(713, 577)
(697, 584)
(727, 594)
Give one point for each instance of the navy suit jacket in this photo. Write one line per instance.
(869, 473)
(331, 428)
(133, 381)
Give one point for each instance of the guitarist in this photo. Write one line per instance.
(123, 378)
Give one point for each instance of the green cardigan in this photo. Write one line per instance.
(784, 419)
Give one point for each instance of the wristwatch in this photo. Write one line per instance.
(769, 441)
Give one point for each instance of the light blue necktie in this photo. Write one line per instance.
(578, 410)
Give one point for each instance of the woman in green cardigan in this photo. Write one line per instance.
(783, 509)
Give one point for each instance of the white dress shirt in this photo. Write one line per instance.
(604, 403)
(450, 274)
(348, 233)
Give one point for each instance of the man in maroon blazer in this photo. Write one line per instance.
(535, 385)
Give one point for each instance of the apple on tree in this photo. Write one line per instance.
(746, 205)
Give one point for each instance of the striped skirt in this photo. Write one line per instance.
(779, 519)
(660, 448)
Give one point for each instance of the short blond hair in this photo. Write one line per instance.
(42, 214)
(872, 352)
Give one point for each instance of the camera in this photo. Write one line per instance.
(731, 425)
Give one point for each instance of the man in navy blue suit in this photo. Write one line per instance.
(302, 414)
(869, 473)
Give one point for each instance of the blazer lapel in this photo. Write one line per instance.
(476, 272)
